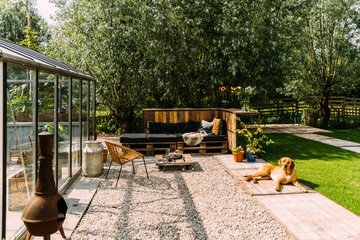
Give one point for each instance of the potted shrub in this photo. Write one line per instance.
(238, 153)
(254, 141)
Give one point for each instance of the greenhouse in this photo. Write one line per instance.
(39, 94)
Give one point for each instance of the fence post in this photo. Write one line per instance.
(305, 116)
(343, 104)
(297, 111)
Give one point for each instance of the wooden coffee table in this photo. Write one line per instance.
(186, 162)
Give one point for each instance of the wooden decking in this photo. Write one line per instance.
(304, 215)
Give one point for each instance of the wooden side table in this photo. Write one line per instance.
(186, 162)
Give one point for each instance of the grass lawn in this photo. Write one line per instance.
(329, 170)
(347, 134)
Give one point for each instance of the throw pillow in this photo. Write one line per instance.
(215, 129)
(206, 123)
(206, 126)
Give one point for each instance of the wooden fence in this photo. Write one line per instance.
(345, 108)
(289, 110)
(284, 110)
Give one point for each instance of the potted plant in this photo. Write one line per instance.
(238, 153)
(254, 141)
(20, 101)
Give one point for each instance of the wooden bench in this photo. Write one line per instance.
(182, 115)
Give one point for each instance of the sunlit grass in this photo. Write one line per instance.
(329, 170)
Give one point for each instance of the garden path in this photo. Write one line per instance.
(304, 215)
(310, 133)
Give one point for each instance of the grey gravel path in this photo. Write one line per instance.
(203, 203)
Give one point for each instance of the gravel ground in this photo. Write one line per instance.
(203, 203)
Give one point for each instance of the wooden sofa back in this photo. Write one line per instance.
(178, 115)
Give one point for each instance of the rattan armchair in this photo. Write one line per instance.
(122, 155)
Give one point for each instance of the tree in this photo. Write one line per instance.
(31, 38)
(108, 39)
(13, 21)
(327, 54)
(170, 53)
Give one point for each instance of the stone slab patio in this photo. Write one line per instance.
(305, 216)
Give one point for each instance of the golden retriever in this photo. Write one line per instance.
(284, 173)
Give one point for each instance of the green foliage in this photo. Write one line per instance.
(13, 21)
(48, 127)
(254, 140)
(171, 53)
(19, 97)
(178, 53)
(31, 39)
(330, 170)
(109, 125)
(238, 149)
(325, 52)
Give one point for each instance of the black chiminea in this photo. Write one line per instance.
(45, 213)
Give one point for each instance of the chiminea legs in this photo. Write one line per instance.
(62, 232)
(47, 236)
(28, 236)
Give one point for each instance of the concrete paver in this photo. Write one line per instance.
(304, 215)
(348, 145)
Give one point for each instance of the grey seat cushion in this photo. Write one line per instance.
(213, 137)
(134, 138)
(161, 137)
(210, 137)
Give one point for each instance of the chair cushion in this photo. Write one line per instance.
(161, 137)
(212, 137)
(134, 138)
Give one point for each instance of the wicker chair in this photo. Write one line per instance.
(121, 155)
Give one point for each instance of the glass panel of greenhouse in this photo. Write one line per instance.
(39, 94)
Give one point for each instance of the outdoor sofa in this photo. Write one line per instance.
(185, 119)
(162, 136)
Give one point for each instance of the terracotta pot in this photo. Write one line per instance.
(21, 117)
(238, 156)
(63, 116)
(46, 117)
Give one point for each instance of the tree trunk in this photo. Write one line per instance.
(125, 119)
(325, 109)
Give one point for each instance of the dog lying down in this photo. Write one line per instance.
(284, 173)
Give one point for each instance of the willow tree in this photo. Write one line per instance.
(328, 53)
(109, 40)
(14, 19)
